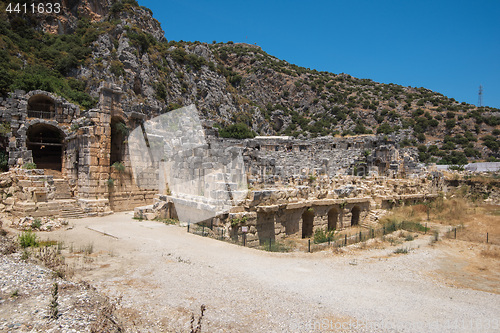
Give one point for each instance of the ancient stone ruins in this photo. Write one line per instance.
(276, 186)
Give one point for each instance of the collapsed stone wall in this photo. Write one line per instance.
(284, 160)
(299, 211)
(479, 188)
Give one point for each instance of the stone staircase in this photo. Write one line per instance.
(71, 210)
(372, 219)
(65, 208)
(62, 190)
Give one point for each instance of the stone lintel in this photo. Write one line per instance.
(267, 209)
(296, 205)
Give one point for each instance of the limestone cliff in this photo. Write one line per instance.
(95, 41)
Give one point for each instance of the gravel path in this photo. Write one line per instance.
(160, 275)
(26, 295)
(164, 274)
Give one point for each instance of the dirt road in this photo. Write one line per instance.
(164, 274)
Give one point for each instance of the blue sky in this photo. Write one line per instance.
(448, 46)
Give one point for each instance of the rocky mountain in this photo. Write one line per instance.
(237, 87)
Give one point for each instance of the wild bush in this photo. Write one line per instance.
(28, 239)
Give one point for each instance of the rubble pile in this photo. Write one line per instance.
(39, 223)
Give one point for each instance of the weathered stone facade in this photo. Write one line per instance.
(78, 146)
(297, 211)
(296, 186)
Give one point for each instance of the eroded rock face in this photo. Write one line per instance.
(66, 21)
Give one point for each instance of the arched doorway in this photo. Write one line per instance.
(333, 219)
(355, 215)
(119, 132)
(46, 144)
(41, 106)
(307, 223)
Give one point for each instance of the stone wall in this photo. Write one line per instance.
(284, 160)
(281, 171)
(20, 112)
(84, 139)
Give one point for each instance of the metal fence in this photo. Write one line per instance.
(207, 230)
(462, 233)
(270, 244)
(361, 236)
(41, 114)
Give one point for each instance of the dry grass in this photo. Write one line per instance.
(478, 223)
(452, 212)
(414, 213)
(491, 251)
(484, 179)
(473, 221)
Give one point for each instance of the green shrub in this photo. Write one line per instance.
(237, 131)
(385, 128)
(36, 224)
(119, 6)
(140, 39)
(4, 161)
(450, 123)
(168, 221)
(401, 251)
(491, 142)
(121, 128)
(117, 68)
(236, 221)
(395, 223)
(321, 236)
(39, 77)
(118, 166)
(29, 166)
(28, 239)
(275, 246)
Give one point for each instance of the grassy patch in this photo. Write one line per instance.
(29, 166)
(167, 221)
(47, 242)
(320, 236)
(409, 238)
(36, 224)
(28, 239)
(491, 252)
(396, 223)
(275, 246)
(402, 250)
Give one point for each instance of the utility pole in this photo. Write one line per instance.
(480, 96)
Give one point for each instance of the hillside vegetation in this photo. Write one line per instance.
(238, 87)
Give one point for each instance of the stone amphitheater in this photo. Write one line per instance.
(81, 165)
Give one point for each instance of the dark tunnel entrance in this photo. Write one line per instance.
(46, 144)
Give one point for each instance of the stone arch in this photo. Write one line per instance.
(41, 106)
(46, 143)
(119, 132)
(355, 214)
(307, 223)
(333, 219)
